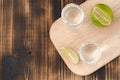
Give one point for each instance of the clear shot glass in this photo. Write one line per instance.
(72, 15)
(90, 52)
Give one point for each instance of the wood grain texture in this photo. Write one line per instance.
(26, 52)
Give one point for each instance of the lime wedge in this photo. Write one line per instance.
(70, 54)
(101, 15)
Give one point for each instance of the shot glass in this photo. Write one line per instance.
(72, 15)
(90, 52)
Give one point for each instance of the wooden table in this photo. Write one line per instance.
(26, 52)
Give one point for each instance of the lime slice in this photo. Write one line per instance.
(70, 54)
(101, 15)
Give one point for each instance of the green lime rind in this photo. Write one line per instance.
(70, 54)
(107, 10)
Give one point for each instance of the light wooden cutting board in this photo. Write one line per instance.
(108, 37)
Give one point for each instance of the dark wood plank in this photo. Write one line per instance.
(26, 52)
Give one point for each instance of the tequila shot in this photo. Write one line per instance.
(90, 52)
(72, 15)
